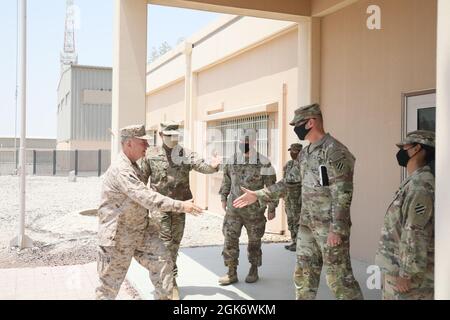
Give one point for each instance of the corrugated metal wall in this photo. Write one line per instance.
(90, 122)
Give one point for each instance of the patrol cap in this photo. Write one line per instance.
(296, 147)
(306, 112)
(170, 128)
(134, 131)
(427, 138)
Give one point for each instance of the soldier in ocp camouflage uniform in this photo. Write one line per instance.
(326, 169)
(124, 227)
(167, 172)
(245, 169)
(293, 200)
(406, 250)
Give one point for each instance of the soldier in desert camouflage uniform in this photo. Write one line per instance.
(248, 169)
(125, 230)
(406, 250)
(167, 172)
(293, 200)
(326, 169)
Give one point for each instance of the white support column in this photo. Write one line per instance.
(281, 156)
(129, 67)
(188, 113)
(442, 222)
(308, 61)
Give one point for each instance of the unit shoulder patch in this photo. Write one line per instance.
(420, 210)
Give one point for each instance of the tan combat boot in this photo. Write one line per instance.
(230, 277)
(175, 291)
(252, 274)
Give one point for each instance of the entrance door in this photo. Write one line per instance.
(420, 113)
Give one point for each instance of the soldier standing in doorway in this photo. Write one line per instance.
(250, 169)
(293, 200)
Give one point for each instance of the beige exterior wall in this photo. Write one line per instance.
(251, 78)
(363, 76)
(324, 7)
(255, 77)
(165, 105)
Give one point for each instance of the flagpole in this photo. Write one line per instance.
(16, 90)
(22, 241)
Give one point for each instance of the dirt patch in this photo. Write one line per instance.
(62, 235)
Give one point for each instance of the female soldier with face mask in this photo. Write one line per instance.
(406, 249)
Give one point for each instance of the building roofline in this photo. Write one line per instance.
(275, 29)
(196, 38)
(84, 66)
(81, 66)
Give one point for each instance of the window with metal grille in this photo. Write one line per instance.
(225, 134)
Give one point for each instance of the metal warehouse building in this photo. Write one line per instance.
(84, 108)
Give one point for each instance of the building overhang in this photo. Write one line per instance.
(289, 10)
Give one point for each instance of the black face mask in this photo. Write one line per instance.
(244, 147)
(403, 157)
(301, 131)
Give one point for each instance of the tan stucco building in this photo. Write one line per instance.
(379, 69)
(230, 88)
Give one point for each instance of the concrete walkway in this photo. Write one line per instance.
(52, 283)
(199, 269)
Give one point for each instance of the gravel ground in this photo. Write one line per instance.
(64, 237)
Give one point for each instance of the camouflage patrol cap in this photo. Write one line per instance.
(306, 112)
(296, 147)
(134, 131)
(170, 128)
(427, 138)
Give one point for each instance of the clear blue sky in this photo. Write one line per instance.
(94, 46)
